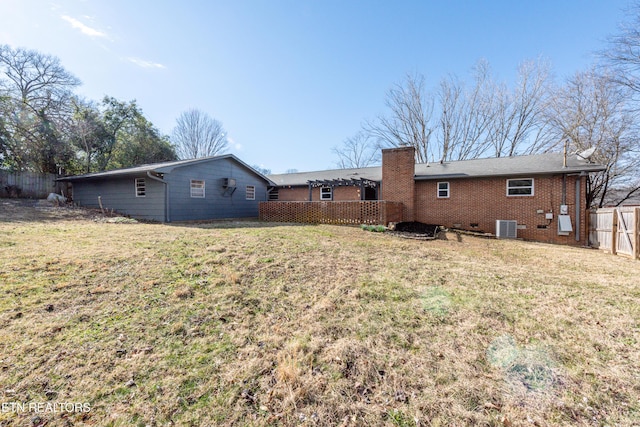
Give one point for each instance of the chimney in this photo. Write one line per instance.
(398, 178)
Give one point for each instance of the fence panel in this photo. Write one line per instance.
(625, 230)
(616, 230)
(27, 184)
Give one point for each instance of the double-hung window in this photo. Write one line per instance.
(197, 188)
(443, 190)
(141, 188)
(326, 193)
(250, 192)
(520, 187)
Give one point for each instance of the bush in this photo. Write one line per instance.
(374, 228)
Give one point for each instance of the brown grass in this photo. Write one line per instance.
(262, 324)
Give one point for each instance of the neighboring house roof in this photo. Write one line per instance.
(539, 164)
(159, 168)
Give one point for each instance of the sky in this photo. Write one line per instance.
(291, 79)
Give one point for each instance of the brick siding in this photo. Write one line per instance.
(353, 212)
(340, 194)
(398, 183)
(476, 204)
(473, 203)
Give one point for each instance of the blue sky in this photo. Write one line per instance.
(290, 79)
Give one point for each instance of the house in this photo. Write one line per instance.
(536, 197)
(206, 188)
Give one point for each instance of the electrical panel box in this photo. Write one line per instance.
(564, 225)
(548, 215)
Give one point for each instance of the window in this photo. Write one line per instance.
(250, 192)
(197, 188)
(141, 188)
(326, 193)
(273, 195)
(443, 190)
(520, 187)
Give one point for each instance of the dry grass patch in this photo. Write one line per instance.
(261, 324)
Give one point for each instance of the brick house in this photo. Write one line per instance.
(539, 197)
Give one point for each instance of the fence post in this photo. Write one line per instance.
(614, 232)
(636, 233)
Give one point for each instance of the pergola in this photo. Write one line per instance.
(363, 183)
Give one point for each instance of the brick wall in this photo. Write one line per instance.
(476, 204)
(302, 194)
(398, 183)
(353, 212)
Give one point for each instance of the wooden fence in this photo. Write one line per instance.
(27, 184)
(616, 230)
(348, 212)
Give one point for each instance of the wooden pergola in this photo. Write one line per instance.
(362, 183)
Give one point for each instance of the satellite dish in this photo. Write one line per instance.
(586, 154)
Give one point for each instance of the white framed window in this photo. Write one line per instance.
(197, 188)
(326, 193)
(443, 190)
(520, 187)
(141, 187)
(250, 192)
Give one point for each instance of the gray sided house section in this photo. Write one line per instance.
(167, 190)
(219, 201)
(119, 193)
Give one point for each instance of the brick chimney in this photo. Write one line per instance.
(398, 183)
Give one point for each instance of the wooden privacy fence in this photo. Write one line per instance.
(27, 184)
(616, 230)
(348, 212)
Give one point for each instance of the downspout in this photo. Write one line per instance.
(167, 217)
(578, 189)
(578, 209)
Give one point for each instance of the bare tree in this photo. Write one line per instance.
(37, 93)
(358, 151)
(518, 125)
(465, 115)
(591, 112)
(198, 135)
(409, 121)
(622, 56)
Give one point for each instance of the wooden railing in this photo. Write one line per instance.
(348, 212)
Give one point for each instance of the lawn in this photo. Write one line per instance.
(248, 323)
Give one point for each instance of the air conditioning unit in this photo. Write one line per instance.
(228, 182)
(506, 229)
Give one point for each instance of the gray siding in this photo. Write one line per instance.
(217, 203)
(119, 194)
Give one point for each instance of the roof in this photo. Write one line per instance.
(538, 164)
(302, 178)
(160, 168)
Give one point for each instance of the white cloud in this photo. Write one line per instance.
(84, 29)
(145, 64)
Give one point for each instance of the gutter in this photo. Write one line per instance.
(167, 217)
